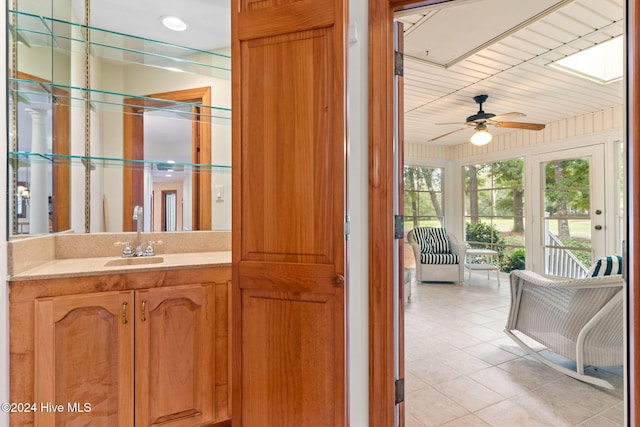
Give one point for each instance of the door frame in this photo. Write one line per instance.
(381, 242)
(133, 149)
(536, 182)
(381, 207)
(163, 204)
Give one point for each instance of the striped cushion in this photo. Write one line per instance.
(438, 240)
(420, 233)
(439, 259)
(606, 266)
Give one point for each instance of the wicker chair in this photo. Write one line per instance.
(580, 319)
(439, 256)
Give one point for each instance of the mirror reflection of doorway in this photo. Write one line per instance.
(167, 143)
(138, 185)
(169, 210)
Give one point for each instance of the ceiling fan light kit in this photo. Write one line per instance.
(481, 136)
(480, 120)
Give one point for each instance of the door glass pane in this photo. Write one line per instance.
(567, 222)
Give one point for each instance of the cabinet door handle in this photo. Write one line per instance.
(143, 316)
(124, 312)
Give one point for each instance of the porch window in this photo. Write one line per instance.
(494, 210)
(423, 197)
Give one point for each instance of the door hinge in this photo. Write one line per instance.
(399, 390)
(398, 63)
(398, 227)
(347, 227)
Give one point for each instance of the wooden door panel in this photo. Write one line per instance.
(174, 356)
(84, 354)
(286, 384)
(289, 159)
(291, 277)
(287, 167)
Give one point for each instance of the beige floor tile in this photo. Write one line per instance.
(466, 421)
(431, 371)
(484, 333)
(509, 414)
(551, 406)
(530, 373)
(490, 353)
(421, 348)
(615, 414)
(462, 370)
(599, 421)
(412, 382)
(468, 393)
(411, 421)
(507, 344)
(462, 362)
(432, 408)
(500, 381)
(459, 339)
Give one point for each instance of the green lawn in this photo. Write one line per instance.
(580, 229)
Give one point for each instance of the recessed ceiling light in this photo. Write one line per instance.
(174, 23)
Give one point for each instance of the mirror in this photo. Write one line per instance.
(81, 156)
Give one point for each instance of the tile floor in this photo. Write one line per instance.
(462, 370)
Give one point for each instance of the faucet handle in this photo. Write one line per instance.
(126, 250)
(149, 251)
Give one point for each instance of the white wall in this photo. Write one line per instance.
(358, 203)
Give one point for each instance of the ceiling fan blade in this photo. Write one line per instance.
(445, 134)
(518, 125)
(505, 116)
(457, 123)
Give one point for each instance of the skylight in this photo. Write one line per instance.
(602, 63)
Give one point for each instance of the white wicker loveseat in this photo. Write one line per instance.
(580, 319)
(439, 255)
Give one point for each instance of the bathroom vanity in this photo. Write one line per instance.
(102, 120)
(120, 343)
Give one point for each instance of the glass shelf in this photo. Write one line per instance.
(34, 92)
(35, 30)
(28, 158)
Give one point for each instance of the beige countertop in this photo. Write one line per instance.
(74, 267)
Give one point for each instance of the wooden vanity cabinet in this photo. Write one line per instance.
(174, 349)
(138, 357)
(84, 354)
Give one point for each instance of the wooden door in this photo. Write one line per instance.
(289, 159)
(175, 332)
(84, 356)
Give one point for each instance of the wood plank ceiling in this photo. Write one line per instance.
(502, 48)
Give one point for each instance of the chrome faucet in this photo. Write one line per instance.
(149, 250)
(138, 217)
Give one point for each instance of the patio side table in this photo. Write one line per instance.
(483, 259)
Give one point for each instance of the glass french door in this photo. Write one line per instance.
(573, 231)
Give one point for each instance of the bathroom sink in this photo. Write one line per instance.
(134, 261)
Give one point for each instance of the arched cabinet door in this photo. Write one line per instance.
(289, 180)
(174, 356)
(84, 356)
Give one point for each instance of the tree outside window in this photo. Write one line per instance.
(423, 197)
(494, 209)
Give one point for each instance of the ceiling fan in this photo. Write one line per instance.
(480, 120)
